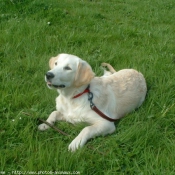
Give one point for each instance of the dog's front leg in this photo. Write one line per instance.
(55, 115)
(90, 132)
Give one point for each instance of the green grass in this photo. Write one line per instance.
(127, 34)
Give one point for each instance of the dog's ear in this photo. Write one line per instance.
(84, 74)
(52, 62)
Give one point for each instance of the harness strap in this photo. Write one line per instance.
(94, 108)
(92, 105)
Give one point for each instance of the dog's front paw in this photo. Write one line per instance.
(75, 144)
(78, 142)
(43, 127)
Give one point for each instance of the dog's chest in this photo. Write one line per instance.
(71, 111)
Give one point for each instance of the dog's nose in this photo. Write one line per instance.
(49, 75)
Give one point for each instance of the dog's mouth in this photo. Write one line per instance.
(56, 86)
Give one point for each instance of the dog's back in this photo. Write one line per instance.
(120, 92)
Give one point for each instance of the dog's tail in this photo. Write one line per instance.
(111, 69)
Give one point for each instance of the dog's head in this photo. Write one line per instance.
(68, 71)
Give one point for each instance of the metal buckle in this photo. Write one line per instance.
(90, 97)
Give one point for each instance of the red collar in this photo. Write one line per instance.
(85, 91)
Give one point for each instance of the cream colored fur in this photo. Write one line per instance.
(115, 94)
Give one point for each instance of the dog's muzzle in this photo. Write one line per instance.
(49, 76)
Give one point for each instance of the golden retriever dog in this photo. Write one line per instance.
(98, 101)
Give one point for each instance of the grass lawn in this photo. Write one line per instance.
(127, 34)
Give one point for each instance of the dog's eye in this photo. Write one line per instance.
(55, 63)
(67, 68)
